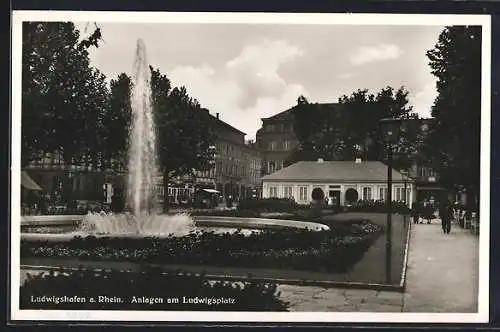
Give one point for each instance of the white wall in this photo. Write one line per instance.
(375, 190)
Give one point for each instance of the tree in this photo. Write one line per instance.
(184, 131)
(63, 97)
(336, 131)
(453, 144)
(363, 138)
(116, 123)
(316, 128)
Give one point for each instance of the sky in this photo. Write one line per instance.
(246, 72)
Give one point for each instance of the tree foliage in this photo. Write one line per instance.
(116, 123)
(63, 96)
(350, 129)
(454, 142)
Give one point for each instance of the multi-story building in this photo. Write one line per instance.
(277, 139)
(237, 166)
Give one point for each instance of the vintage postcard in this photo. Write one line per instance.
(250, 167)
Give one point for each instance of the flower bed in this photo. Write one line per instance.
(148, 290)
(335, 250)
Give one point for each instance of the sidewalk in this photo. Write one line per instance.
(441, 277)
(442, 273)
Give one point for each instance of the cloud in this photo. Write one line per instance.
(255, 69)
(203, 84)
(247, 87)
(424, 99)
(381, 52)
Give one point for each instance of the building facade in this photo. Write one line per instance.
(52, 174)
(276, 140)
(344, 181)
(236, 169)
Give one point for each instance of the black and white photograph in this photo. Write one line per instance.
(250, 167)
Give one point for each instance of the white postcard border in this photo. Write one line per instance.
(251, 18)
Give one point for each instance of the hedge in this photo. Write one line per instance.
(147, 290)
(268, 204)
(334, 250)
(377, 207)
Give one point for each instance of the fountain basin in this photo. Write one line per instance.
(70, 223)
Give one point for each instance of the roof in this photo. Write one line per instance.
(334, 171)
(218, 121)
(285, 115)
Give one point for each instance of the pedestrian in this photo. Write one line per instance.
(415, 213)
(446, 214)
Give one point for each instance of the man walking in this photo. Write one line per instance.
(446, 214)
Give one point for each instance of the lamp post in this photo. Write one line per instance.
(404, 174)
(389, 130)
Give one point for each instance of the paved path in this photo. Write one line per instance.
(442, 273)
(441, 277)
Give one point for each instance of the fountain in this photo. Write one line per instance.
(141, 218)
(142, 166)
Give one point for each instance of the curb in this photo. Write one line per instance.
(297, 282)
(402, 283)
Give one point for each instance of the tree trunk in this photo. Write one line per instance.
(165, 191)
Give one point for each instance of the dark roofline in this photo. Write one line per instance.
(294, 107)
(225, 124)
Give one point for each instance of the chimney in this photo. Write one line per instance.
(357, 161)
(320, 160)
(217, 115)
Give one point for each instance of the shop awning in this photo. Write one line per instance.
(28, 183)
(212, 191)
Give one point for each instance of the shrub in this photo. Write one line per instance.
(174, 291)
(268, 204)
(318, 194)
(288, 249)
(378, 207)
(227, 213)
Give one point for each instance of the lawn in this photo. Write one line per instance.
(371, 268)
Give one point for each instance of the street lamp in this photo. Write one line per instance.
(389, 130)
(404, 174)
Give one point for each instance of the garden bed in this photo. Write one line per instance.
(146, 290)
(335, 250)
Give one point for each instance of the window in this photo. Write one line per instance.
(382, 194)
(271, 167)
(270, 127)
(399, 194)
(367, 193)
(272, 145)
(287, 191)
(302, 193)
(286, 145)
(273, 192)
